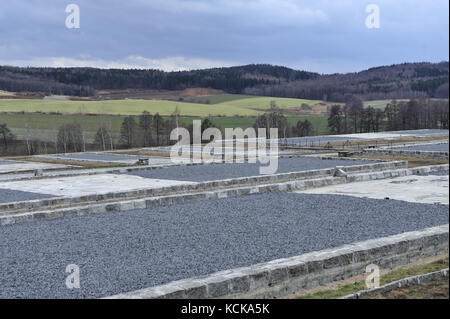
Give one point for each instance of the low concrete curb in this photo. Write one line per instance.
(406, 282)
(288, 275)
(148, 202)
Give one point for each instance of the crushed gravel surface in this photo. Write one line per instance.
(124, 251)
(9, 196)
(211, 172)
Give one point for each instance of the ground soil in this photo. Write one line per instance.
(435, 289)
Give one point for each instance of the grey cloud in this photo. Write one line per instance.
(322, 35)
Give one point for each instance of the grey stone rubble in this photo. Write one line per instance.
(405, 282)
(284, 276)
(12, 218)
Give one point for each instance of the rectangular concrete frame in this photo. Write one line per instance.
(202, 186)
(288, 275)
(7, 218)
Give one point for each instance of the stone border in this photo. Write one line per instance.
(416, 154)
(288, 275)
(405, 282)
(202, 186)
(143, 203)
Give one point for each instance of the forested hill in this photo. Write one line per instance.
(395, 81)
(399, 81)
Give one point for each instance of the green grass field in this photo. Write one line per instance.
(233, 110)
(45, 126)
(380, 104)
(227, 105)
(216, 99)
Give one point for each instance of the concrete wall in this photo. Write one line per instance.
(284, 276)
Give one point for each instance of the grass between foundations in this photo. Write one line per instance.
(78, 165)
(394, 275)
(434, 289)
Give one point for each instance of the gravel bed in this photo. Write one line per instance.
(317, 140)
(426, 148)
(10, 196)
(7, 162)
(98, 157)
(132, 250)
(419, 132)
(211, 172)
(439, 173)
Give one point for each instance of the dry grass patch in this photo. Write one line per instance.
(78, 165)
(390, 276)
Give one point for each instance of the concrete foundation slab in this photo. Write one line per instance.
(103, 157)
(417, 189)
(13, 166)
(212, 172)
(86, 185)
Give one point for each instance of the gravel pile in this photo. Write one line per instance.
(131, 250)
(211, 172)
(9, 196)
(428, 148)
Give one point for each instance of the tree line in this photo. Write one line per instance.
(147, 130)
(398, 115)
(84, 81)
(401, 81)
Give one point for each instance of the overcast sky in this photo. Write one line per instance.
(324, 36)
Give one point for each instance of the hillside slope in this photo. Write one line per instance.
(408, 80)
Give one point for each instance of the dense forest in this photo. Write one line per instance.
(401, 81)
